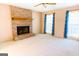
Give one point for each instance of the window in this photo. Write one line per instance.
(49, 24)
(73, 24)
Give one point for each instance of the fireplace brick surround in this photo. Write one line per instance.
(16, 23)
(21, 17)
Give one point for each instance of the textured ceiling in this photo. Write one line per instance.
(41, 8)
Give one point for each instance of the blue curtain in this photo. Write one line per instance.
(53, 24)
(45, 24)
(66, 24)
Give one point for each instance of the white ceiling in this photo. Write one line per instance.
(41, 7)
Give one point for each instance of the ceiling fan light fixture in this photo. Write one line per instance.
(44, 4)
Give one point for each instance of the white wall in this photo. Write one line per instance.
(36, 22)
(5, 23)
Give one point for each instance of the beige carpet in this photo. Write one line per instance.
(42, 45)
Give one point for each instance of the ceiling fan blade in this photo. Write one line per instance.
(37, 5)
(51, 3)
(44, 4)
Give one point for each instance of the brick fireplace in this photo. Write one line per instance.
(21, 29)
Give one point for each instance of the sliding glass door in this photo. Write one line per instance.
(73, 24)
(49, 24)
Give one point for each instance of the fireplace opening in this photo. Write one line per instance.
(22, 30)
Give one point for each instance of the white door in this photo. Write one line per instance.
(36, 22)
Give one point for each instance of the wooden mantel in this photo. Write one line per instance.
(20, 18)
(18, 13)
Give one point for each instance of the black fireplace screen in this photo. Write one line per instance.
(22, 30)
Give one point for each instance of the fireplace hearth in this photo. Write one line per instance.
(22, 30)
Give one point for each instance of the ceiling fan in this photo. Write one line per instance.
(45, 4)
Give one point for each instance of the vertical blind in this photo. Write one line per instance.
(73, 24)
(49, 23)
